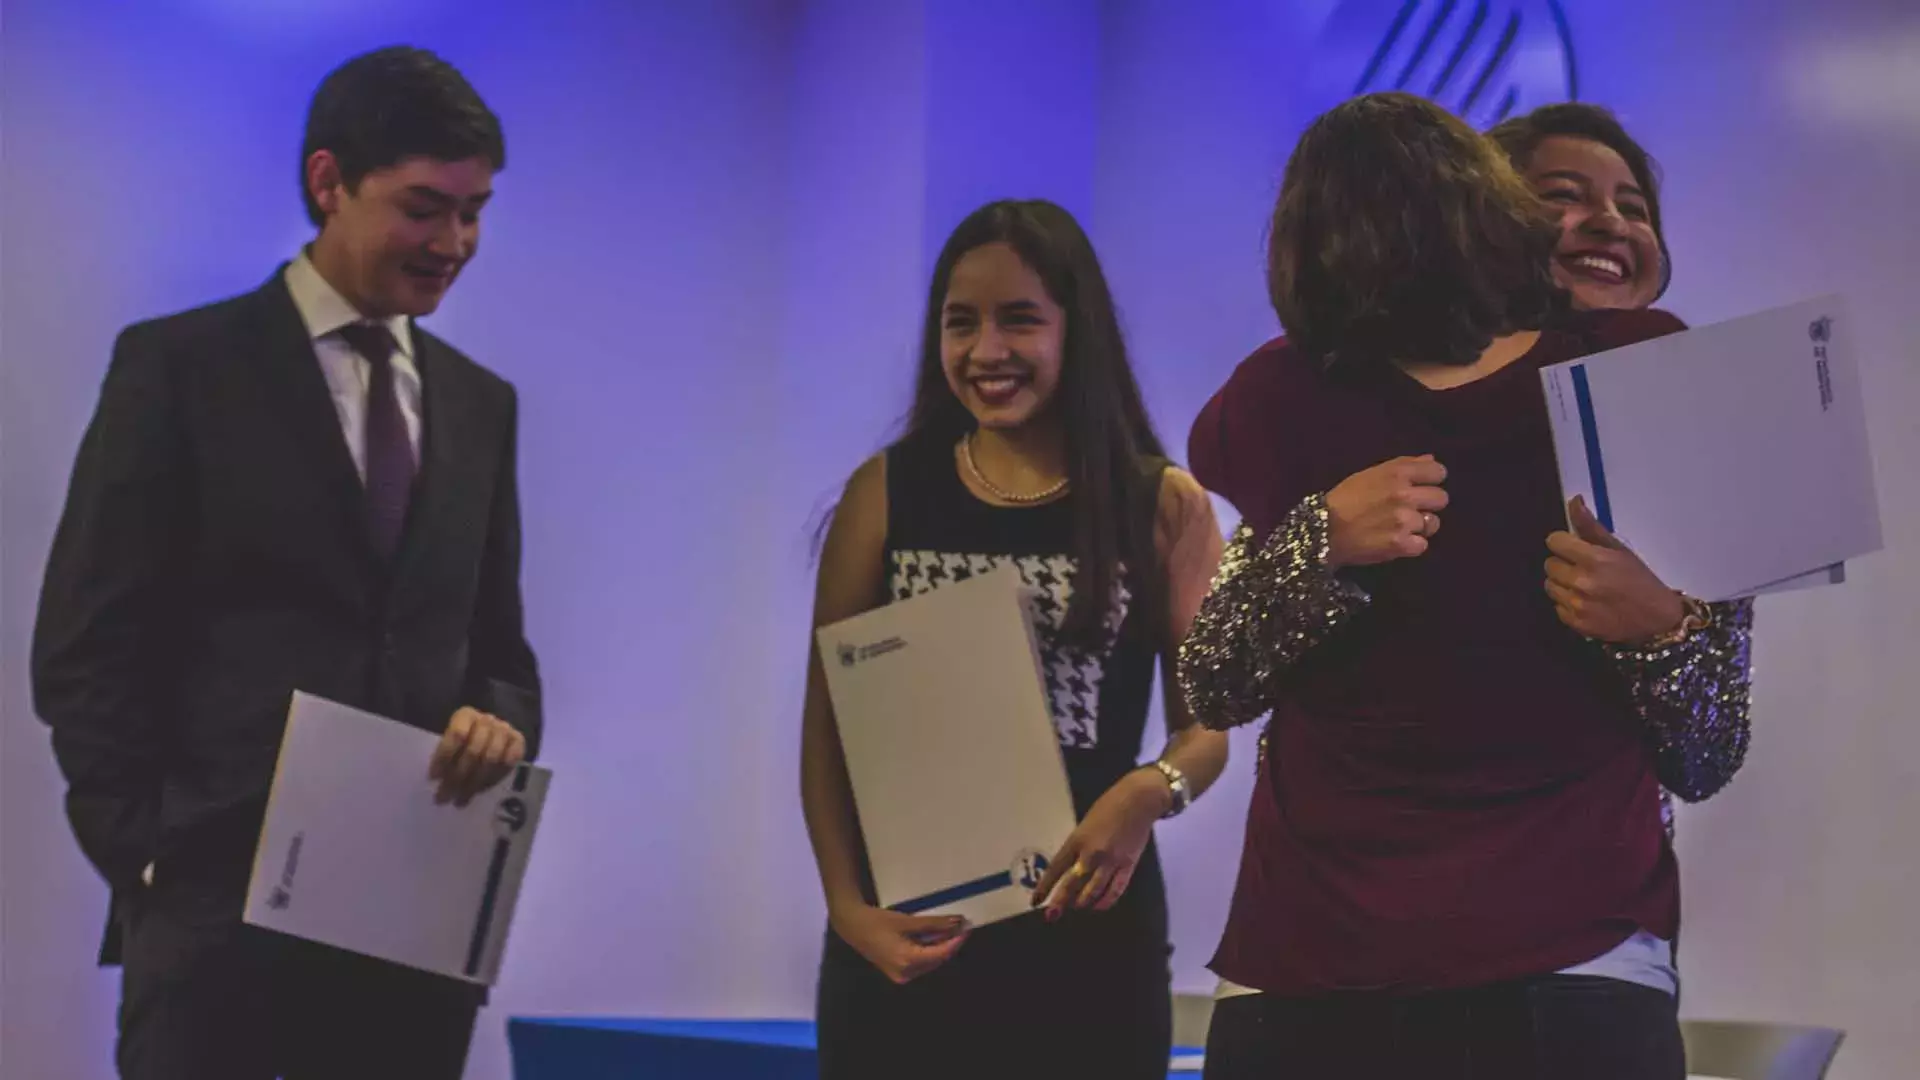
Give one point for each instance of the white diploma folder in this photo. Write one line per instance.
(1732, 458)
(356, 854)
(957, 774)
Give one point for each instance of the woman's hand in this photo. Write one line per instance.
(1386, 512)
(1602, 589)
(903, 947)
(1093, 868)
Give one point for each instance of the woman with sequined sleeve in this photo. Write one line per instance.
(1456, 854)
(1612, 253)
(1027, 446)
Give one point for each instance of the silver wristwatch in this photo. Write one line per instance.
(1177, 785)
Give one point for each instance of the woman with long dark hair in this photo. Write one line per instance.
(1455, 865)
(1027, 445)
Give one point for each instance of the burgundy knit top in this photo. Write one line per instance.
(1458, 788)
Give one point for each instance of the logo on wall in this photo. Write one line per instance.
(1485, 60)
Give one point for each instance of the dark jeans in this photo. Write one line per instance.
(1556, 1027)
(206, 997)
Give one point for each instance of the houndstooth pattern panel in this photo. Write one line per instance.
(1073, 675)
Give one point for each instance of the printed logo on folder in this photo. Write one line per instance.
(1821, 332)
(851, 654)
(1028, 868)
(512, 815)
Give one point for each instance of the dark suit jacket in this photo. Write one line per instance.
(214, 557)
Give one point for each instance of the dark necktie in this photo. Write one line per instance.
(390, 461)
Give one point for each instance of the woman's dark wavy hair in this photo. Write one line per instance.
(1108, 433)
(1403, 234)
(1522, 135)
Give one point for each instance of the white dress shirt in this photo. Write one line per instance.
(325, 311)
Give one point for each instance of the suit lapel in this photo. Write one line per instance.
(304, 400)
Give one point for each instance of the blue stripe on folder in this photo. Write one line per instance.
(1590, 433)
(496, 869)
(963, 891)
(490, 896)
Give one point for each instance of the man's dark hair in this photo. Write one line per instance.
(380, 108)
(1403, 234)
(1522, 135)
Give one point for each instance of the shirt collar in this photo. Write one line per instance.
(325, 311)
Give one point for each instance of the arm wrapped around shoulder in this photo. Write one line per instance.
(1271, 602)
(1694, 697)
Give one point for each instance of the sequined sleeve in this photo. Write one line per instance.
(1694, 698)
(1269, 604)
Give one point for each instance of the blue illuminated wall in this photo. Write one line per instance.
(704, 271)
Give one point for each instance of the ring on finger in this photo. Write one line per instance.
(1428, 523)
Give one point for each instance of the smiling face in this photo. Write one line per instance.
(395, 243)
(1001, 338)
(1609, 255)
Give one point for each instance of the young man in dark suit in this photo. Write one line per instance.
(295, 489)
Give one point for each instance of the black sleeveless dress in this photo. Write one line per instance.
(1085, 996)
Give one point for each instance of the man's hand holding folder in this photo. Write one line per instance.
(358, 853)
(476, 752)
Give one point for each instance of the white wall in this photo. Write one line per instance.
(1800, 880)
(855, 200)
(1191, 146)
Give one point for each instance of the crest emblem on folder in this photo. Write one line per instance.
(1821, 331)
(1028, 868)
(511, 817)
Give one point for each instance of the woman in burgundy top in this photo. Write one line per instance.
(1603, 186)
(1458, 868)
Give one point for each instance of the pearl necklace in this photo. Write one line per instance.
(973, 468)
